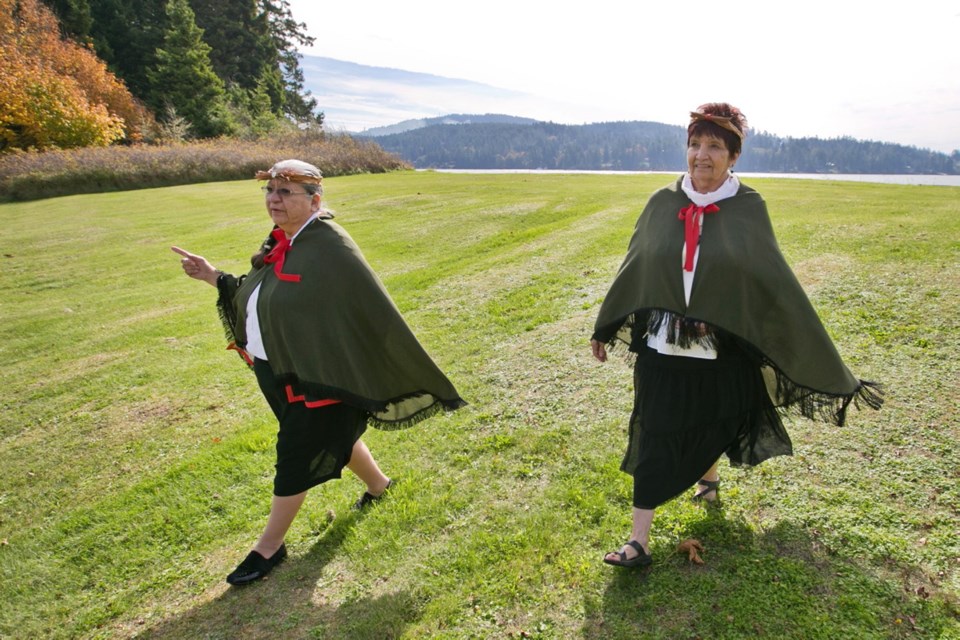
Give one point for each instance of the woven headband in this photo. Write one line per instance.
(720, 121)
(289, 176)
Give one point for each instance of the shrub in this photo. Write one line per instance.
(33, 175)
(54, 92)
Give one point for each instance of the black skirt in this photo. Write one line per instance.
(313, 444)
(690, 411)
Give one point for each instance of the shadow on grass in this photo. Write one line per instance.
(777, 583)
(289, 604)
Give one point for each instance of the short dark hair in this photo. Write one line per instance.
(705, 127)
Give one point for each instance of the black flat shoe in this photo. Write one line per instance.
(642, 559)
(255, 566)
(368, 498)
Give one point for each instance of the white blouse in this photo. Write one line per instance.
(254, 338)
(658, 340)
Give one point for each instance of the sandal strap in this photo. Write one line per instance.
(636, 547)
(709, 486)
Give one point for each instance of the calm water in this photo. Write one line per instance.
(937, 181)
(940, 181)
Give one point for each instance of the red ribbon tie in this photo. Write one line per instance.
(691, 217)
(278, 255)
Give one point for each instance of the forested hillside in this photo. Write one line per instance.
(643, 146)
(94, 72)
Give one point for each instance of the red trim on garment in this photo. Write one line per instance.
(310, 404)
(243, 354)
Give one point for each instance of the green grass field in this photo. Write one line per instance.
(137, 453)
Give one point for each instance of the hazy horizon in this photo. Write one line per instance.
(836, 70)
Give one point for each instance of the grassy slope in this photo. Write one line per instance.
(137, 453)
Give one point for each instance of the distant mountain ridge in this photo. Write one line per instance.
(454, 118)
(467, 142)
(388, 105)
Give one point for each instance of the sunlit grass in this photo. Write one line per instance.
(138, 454)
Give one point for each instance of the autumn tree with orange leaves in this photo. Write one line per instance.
(54, 93)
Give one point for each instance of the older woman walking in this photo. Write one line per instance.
(329, 348)
(723, 334)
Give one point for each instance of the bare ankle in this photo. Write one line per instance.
(267, 549)
(378, 488)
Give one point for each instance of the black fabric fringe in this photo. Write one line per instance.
(681, 331)
(790, 398)
(398, 425)
(226, 310)
(621, 342)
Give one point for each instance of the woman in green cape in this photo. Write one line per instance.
(329, 348)
(724, 337)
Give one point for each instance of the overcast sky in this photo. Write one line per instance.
(869, 70)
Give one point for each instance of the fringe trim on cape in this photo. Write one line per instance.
(789, 398)
(817, 405)
(681, 331)
(397, 425)
(227, 313)
(379, 410)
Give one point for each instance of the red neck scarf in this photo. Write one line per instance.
(278, 255)
(691, 217)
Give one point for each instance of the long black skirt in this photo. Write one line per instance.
(688, 412)
(313, 444)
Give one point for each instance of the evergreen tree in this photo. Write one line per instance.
(243, 52)
(184, 78)
(75, 17)
(126, 35)
(252, 49)
(287, 33)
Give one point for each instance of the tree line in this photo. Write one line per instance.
(645, 146)
(93, 72)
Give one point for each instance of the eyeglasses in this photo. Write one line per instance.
(283, 192)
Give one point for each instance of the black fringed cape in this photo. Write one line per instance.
(337, 334)
(743, 286)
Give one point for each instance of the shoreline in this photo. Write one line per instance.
(903, 179)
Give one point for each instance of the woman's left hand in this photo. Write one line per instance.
(599, 350)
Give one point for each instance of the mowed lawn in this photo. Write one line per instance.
(136, 453)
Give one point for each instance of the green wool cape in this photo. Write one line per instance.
(743, 286)
(337, 334)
